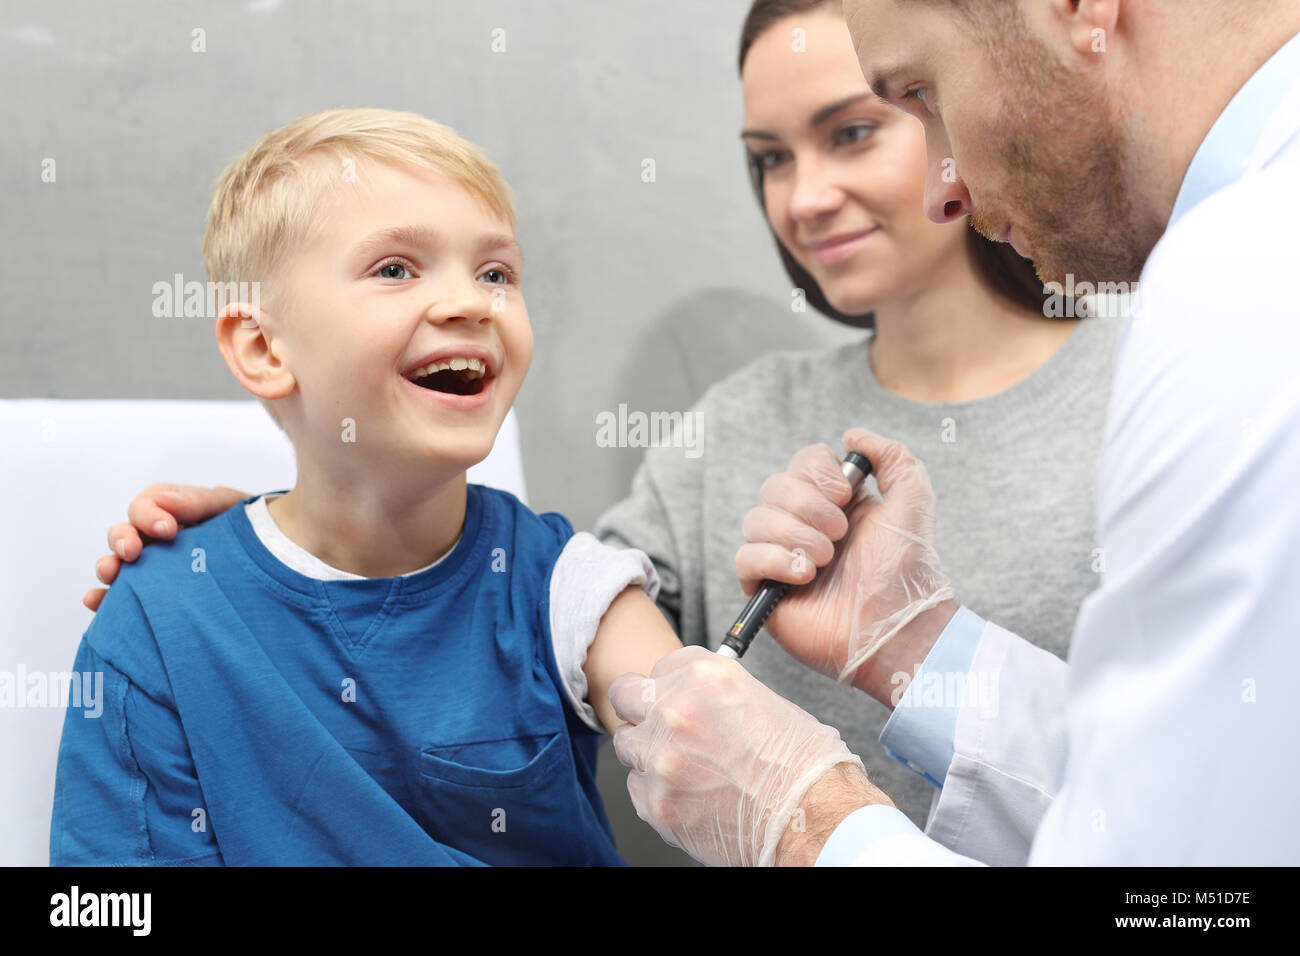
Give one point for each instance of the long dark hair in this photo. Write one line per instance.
(1001, 267)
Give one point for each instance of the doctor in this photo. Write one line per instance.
(1109, 141)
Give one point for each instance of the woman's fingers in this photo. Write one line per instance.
(106, 568)
(160, 510)
(194, 504)
(157, 512)
(147, 514)
(124, 541)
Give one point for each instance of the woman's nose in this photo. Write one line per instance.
(815, 192)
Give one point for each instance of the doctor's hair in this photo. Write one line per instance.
(1003, 269)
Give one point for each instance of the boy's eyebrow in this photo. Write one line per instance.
(502, 240)
(425, 238)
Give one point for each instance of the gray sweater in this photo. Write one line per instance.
(1014, 475)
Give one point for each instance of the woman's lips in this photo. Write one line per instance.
(839, 248)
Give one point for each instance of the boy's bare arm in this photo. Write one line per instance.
(632, 636)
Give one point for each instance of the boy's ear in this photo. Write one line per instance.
(248, 347)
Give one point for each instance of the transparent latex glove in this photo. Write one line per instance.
(719, 762)
(858, 594)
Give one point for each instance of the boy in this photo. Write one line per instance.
(383, 665)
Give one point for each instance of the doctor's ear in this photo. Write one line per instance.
(1090, 23)
(246, 338)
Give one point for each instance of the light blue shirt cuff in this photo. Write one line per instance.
(859, 830)
(920, 732)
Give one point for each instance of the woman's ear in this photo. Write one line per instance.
(248, 346)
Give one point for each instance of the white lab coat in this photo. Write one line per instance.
(1170, 738)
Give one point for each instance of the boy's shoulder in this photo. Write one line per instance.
(164, 565)
(165, 576)
(518, 539)
(504, 509)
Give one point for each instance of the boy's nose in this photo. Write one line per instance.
(473, 304)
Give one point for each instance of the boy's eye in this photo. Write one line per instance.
(393, 269)
(503, 276)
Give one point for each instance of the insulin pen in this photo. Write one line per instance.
(855, 468)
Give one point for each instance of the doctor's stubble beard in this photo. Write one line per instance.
(1063, 155)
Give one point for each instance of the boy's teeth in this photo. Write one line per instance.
(457, 364)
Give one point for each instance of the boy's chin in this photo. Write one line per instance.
(459, 448)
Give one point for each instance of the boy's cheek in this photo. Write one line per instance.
(523, 345)
(516, 339)
(508, 387)
(522, 364)
(527, 357)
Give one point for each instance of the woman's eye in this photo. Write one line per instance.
(770, 159)
(856, 133)
(393, 270)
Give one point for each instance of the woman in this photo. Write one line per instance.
(960, 364)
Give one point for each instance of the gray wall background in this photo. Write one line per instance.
(639, 292)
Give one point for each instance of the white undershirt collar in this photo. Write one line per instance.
(298, 558)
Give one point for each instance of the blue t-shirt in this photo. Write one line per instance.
(256, 716)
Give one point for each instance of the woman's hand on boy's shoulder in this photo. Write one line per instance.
(156, 514)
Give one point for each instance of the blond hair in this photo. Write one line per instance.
(264, 202)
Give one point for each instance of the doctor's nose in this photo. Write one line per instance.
(946, 197)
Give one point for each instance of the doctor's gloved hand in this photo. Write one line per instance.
(720, 764)
(858, 595)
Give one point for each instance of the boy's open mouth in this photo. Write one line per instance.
(456, 376)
